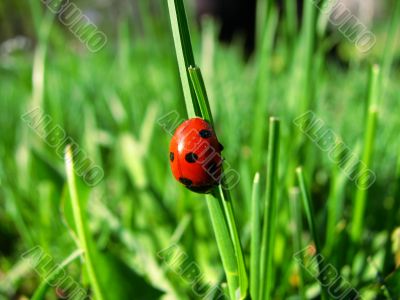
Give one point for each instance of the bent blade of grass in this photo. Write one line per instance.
(255, 238)
(82, 231)
(44, 286)
(220, 207)
(309, 210)
(223, 194)
(268, 231)
(369, 140)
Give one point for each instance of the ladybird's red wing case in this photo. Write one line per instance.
(195, 155)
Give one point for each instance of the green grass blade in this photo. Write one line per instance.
(268, 231)
(79, 216)
(390, 46)
(262, 15)
(43, 24)
(301, 91)
(307, 43)
(295, 210)
(184, 53)
(336, 198)
(200, 91)
(290, 22)
(255, 238)
(224, 243)
(220, 208)
(222, 195)
(369, 141)
(230, 218)
(309, 210)
(262, 88)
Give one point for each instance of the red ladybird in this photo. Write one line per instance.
(195, 155)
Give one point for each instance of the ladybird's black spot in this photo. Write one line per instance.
(221, 147)
(171, 156)
(205, 133)
(185, 181)
(191, 157)
(212, 167)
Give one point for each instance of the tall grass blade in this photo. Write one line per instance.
(224, 243)
(184, 53)
(226, 199)
(262, 87)
(79, 216)
(390, 47)
(200, 91)
(363, 175)
(255, 238)
(336, 198)
(296, 216)
(268, 231)
(220, 207)
(309, 210)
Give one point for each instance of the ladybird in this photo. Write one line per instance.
(195, 156)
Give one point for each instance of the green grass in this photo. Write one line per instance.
(269, 222)
(111, 103)
(309, 212)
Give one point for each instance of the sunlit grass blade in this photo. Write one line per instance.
(44, 286)
(364, 175)
(79, 216)
(184, 53)
(268, 231)
(200, 91)
(225, 196)
(43, 23)
(310, 213)
(255, 238)
(224, 243)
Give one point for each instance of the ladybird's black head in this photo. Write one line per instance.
(206, 189)
(185, 181)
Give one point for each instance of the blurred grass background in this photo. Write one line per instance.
(109, 103)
